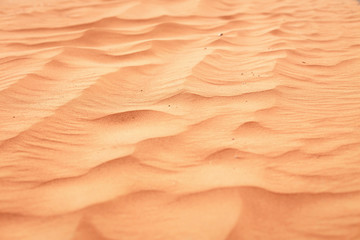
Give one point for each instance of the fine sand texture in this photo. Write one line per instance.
(179, 120)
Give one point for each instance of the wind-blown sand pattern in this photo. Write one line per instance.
(194, 119)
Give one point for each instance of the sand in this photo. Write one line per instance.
(179, 120)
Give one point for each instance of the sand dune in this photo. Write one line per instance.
(195, 119)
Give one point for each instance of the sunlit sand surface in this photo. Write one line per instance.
(179, 120)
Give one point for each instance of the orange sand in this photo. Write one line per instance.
(179, 120)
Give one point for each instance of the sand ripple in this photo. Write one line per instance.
(179, 120)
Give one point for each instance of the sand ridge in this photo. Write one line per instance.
(179, 119)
